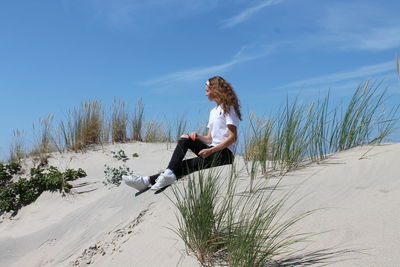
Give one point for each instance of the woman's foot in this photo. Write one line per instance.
(164, 180)
(138, 182)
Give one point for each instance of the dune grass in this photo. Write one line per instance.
(221, 226)
(155, 131)
(17, 147)
(298, 133)
(353, 128)
(301, 133)
(86, 126)
(181, 126)
(138, 121)
(44, 137)
(198, 225)
(119, 122)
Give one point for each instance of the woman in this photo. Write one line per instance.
(215, 149)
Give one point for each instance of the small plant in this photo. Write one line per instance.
(135, 155)
(7, 171)
(13, 196)
(114, 175)
(120, 155)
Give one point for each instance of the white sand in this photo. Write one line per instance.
(112, 227)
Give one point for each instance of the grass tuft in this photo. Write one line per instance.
(181, 127)
(17, 147)
(119, 122)
(137, 121)
(301, 133)
(86, 126)
(220, 226)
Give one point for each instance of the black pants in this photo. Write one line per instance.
(183, 167)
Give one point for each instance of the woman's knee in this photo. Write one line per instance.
(184, 139)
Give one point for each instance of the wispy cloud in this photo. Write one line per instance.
(353, 76)
(246, 53)
(119, 14)
(376, 39)
(248, 12)
(373, 29)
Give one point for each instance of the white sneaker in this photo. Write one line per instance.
(163, 181)
(135, 181)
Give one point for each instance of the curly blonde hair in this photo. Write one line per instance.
(224, 94)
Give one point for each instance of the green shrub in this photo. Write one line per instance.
(13, 196)
(7, 171)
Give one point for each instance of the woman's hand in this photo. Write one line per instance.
(204, 153)
(192, 136)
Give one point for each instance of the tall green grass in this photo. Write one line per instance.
(119, 122)
(198, 227)
(297, 134)
(138, 121)
(291, 137)
(355, 126)
(181, 126)
(44, 137)
(221, 226)
(85, 126)
(155, 131)
(258, 144)
(320, 126)
(17, 147)
(304, 133)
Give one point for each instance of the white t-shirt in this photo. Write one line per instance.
(218, 125)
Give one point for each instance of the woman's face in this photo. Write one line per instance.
(209, 94)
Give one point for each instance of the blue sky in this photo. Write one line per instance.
(54, 54)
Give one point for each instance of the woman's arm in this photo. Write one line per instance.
(232, 137)
(206, 139)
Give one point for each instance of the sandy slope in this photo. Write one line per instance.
(102, 226)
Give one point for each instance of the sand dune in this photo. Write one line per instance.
(357, 193)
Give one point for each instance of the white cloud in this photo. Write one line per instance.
(353, 76)
(248, 12)
(359, 26)
(378, 39)
(246, 53)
